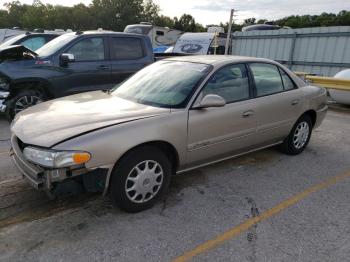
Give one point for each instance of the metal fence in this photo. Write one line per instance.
(320, 50)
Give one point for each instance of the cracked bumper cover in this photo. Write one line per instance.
(3, 96)
(41, 178)
(2, 105)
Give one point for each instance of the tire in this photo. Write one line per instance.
(294, 144)
(26, 98)
(130, 188)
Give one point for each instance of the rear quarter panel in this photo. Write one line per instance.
(315, 97)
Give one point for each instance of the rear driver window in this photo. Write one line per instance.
(125, 48)
(267, 79)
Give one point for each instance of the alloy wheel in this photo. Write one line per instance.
(25, 102)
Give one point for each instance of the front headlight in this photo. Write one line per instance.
(55, 159)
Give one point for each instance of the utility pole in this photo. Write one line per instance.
(229, 32)
(215, 44)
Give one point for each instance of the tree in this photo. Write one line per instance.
(15, 10)
(249, 21)
(164, 21)
(261, 21)
(35, 16)
(4, 19)
(116, 14)
(235, 27)
(343, 18)
(150, 12)
(187, 23)
(59, 17)
(82, 18)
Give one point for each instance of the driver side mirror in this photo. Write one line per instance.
(66, 58)
(211, 100)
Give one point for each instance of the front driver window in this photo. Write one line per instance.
(89, 49)
(230, 82)
(34, 43)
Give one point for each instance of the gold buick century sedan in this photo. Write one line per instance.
(172, 116)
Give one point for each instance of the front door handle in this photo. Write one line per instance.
(295, 102)
(248, 113)
(103, 67)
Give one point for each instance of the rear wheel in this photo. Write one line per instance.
(299, 136)
(22, 100)
(140, 178)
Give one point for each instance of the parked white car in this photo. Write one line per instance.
(340, 96)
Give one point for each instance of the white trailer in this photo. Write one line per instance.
(340, 96)
(201, 44)
(161, 37)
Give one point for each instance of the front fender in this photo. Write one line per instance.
(108, 145)
(22, 72)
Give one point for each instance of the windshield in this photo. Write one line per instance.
(55, 45)
(11, 41)
(163, 84)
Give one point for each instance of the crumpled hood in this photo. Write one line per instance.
(49, 123)
(16, 52)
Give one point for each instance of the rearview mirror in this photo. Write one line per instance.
(211, 101)
(67, 58)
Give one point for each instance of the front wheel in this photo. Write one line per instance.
(299, 136)
(22, 100)
(140, 178)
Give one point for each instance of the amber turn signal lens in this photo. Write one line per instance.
(81, 158)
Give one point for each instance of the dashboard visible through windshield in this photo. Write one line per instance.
(167, 84)
(55, 45)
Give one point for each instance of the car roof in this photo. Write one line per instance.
(222, 60)
(216, 60)
(43, 34)
(35, 34)
(105, 32)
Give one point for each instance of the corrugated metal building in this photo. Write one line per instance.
(320, 50)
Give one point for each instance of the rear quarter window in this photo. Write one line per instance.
(287, 81)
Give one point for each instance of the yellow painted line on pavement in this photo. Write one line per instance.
(235, 231)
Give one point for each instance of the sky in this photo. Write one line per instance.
(216, 11)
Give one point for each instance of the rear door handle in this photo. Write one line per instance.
(103, 67)
(295, 102)
(248, 113)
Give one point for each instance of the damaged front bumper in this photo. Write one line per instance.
(46, 179)
(3, 96)
(2, 105)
